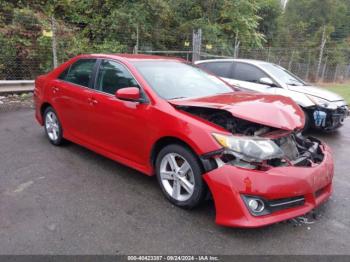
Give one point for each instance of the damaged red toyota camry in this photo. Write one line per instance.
(197, 134)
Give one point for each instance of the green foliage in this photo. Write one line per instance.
(111, 26)
(269, 11)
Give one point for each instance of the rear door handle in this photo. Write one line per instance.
(55, 89)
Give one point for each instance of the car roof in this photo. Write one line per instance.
(135, 57)
(249, 61)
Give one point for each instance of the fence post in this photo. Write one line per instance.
(323, 43)
(54, 42)
(196, 44)
(291, 61)
(336, 73)
(237, 43)
(324, 69)
(308, 66)
(136, 48)
(268, 54)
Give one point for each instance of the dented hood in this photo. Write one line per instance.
(270, 110)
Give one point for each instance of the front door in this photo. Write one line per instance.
(120, 127)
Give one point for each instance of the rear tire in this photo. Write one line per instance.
(53, 127)
(179, 175)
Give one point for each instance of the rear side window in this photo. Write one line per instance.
(247, 72)
(80, 72)
(113, 76)
(222, 69)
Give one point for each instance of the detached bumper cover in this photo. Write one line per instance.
(228, 183)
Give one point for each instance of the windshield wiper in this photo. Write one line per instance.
(295, 82)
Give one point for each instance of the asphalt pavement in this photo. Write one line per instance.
(69, 200)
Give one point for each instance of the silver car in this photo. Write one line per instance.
(323, 109)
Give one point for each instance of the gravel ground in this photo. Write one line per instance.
(69, 200)
(15, 102)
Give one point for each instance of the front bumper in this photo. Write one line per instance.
(334, 118)
(228, 183)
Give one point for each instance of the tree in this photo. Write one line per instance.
(269, 12)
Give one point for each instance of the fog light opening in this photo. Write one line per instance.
(256, 205)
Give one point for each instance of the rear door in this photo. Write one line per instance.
(72, 98)
(119, 127)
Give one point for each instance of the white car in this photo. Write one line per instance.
(323, 109)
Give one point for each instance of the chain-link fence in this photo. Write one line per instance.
(334, 65)
(30, 42)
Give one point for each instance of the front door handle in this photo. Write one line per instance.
(55, 89)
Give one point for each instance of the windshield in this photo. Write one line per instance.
(283, 75)
(175, 80)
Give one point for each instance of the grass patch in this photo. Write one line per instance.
(341, 89)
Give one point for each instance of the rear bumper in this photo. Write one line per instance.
(37, 105)
(228, 183)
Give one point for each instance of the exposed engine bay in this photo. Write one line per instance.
(300, 151)
(297, 150)
(227, 121)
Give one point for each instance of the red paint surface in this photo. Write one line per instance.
(271, 110)
(228, 183)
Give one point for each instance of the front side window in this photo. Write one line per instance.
(174, 80)
(113, 76)
(248, 73)
(80, 72)
(222, 69)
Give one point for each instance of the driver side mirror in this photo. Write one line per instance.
(266, 81)
(129, 94)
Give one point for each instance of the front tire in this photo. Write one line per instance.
(179, 175)
(53, 127)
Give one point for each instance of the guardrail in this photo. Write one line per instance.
(16, 86)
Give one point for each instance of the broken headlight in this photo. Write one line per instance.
(250, 149)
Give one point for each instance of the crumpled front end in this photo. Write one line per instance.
(262, 174)
(285, 191)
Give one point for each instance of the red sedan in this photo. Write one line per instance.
(197, 134)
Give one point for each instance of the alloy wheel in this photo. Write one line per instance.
(52, 126)
(177, 176)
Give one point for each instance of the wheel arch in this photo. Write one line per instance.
(43, 108)
(165, 141)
